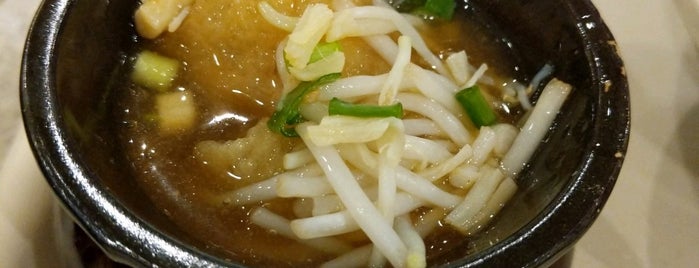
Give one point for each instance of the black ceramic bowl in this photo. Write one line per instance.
(77, 50)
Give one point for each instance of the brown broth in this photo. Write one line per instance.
(228, 55)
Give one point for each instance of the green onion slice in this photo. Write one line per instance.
(339, 107)
(442, 9)
(323, 50)
(475, 105)
(285, 119)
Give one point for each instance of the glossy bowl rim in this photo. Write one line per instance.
(143, 245)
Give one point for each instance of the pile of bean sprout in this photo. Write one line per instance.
(370, 173)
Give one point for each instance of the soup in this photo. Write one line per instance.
(220, 144)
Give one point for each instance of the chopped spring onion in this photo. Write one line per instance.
(339, 107)
(324, 50)
(284, 119)
(443, 9)
(154, 71)
(333, 63)
(309, 30)
(326, 58)
(475, 105)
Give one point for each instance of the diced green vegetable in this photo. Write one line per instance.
(442, 9)
(311, 28)
(284, 119)
(324, 50)
(339, 107)
(476, 106)
(326, 58)
(333, 63)
(155, 71)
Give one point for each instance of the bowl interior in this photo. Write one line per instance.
(71, 69)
